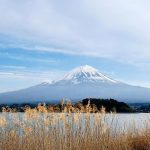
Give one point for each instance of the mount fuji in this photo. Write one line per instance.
(81, 82)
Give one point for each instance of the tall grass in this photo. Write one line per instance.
(37, 129)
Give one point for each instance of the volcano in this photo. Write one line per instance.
(81, 82)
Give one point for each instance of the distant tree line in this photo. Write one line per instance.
(91, 105)
(109, 104)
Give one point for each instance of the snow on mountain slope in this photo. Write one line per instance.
(84, 74)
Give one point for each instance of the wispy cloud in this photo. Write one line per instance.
(28, 58)
(114, 29)
(38, 76)
(16, 78)
(12, 67)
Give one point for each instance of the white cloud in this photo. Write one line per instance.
(19, 77)
(27, 58)
(12, 67)
(100, 28)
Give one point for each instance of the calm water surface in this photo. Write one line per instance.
(117, 122)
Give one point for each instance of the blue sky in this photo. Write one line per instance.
(40, 40)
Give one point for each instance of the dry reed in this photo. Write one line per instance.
(37, 129)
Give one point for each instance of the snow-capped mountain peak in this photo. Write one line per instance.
(84, 74)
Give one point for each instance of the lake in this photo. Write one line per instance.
(116, 122)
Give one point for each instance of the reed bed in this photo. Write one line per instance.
(39, 129)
